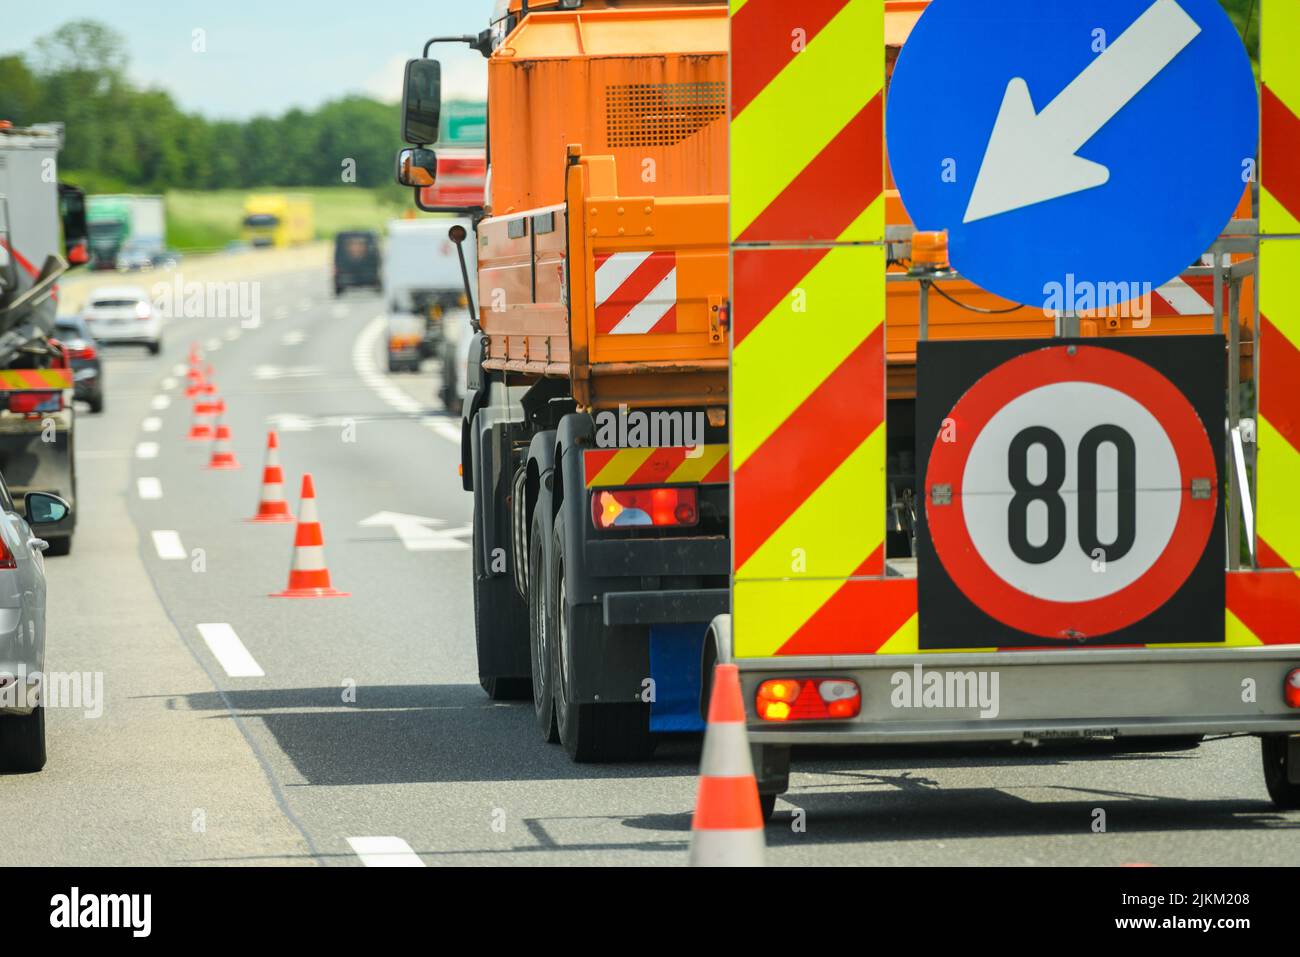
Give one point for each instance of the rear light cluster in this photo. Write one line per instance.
(671, 507)
(808, 699)
(7, 562)
(81, 351)
(35, 403)
(1291, 688)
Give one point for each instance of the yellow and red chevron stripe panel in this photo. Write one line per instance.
(15, 380)
(807, 120)
(808, 326)
(1279, 199)
(698, 465)
(1278, 464)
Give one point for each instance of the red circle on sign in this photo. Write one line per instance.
(971, 573)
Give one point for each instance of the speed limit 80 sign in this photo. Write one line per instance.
(1071, 492)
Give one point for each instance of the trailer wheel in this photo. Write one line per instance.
(22, 741)
(500, 628)
(541, 620)
(590, 732)
(1273, 749)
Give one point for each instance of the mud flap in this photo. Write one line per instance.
(675, 652)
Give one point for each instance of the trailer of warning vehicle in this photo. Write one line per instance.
(1032, 522)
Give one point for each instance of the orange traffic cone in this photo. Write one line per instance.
(308, 576)
(223, 456)
(209, 382)
(272, 506)
(727, 830)
(201, 421)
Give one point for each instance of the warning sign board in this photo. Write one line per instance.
(1071, 492)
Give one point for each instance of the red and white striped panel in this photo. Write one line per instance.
(636, 293)
(1184, 297)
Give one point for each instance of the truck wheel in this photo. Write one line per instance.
(541, 620)
(500, 628)
(96, 404)
(1273, 749)
(22, 741)
(59, 546)
(590, 732)
(155, 348)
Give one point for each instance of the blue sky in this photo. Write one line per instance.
(265, 57)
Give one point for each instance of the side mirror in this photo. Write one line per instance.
(43, 508)
(416, 166)
(421, 101)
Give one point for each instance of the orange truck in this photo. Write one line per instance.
(595, 429)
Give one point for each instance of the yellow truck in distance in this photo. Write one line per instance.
(278, 220)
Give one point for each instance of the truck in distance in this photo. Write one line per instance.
(278, 220)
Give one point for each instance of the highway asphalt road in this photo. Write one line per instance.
(365, 737)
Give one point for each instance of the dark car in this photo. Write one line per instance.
(356, 260)
(83, 351)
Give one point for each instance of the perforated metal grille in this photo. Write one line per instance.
(660, 114)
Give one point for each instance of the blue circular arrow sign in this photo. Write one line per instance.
(1073, 145)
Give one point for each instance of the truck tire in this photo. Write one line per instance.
(1273, 749)
(500, 628)
(59, 547)
(541, 622)
(22, 741)
(590, 732)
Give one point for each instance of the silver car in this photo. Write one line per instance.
(22, 627)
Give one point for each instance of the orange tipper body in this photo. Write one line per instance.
(603, 258)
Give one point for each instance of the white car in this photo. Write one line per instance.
(22, 627)
(123, 314)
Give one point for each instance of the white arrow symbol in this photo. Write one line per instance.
(418, 533)
(1031, 156)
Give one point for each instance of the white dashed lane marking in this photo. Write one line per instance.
(385, 852)
(148, 487)
(167, 544)
(230, 651)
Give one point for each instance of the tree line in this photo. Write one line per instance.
(140, 139)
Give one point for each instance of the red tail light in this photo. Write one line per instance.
(85, 352)
(6, 560)
(35, 403)
(1291, 689)
(671, 507)
(808, 699)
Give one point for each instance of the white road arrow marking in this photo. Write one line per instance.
(417, 532)
(1031, 156)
